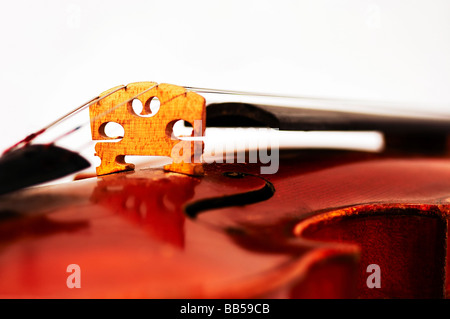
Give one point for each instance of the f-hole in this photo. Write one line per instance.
(407, 242)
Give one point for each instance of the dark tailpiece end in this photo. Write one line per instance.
(36, 164)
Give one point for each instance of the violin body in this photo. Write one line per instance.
(311, 230)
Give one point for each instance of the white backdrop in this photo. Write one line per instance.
(56, 54)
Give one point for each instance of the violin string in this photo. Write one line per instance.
(247, 93)
(109, 111)
(28, 139)
(115, 107)
(82, 107)
(333, 103)
(98, 99)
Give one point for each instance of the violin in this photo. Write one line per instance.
(265, 221)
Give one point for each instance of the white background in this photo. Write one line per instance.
(56, 54)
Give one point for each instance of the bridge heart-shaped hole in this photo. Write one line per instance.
(150, 108)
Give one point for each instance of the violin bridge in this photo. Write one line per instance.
(147, 133)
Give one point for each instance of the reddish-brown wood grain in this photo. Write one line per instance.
(330, 215)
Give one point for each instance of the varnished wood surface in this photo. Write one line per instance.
(330, 215)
